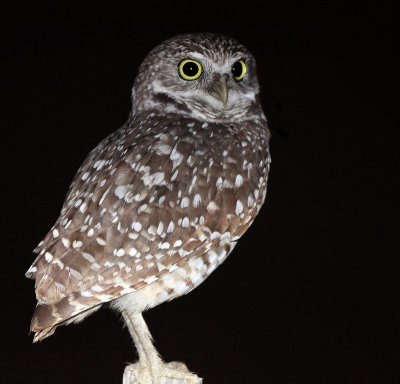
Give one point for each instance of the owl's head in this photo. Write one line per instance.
(206, 76)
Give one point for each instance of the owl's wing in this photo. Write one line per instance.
(137, 215)
(87, 210)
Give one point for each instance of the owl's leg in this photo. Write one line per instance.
(141, 336)
(150, 369)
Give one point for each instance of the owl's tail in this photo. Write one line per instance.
(47, 317)
(43, 334)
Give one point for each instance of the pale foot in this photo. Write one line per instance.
(167, 373)
(137, 374)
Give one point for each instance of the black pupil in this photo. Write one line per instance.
(190, 69)
(237, 69)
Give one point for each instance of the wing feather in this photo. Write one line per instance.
(141, 204)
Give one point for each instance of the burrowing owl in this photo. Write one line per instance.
(161, 202)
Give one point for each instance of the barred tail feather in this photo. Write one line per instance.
(47, 317)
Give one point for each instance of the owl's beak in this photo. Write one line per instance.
(220, 90)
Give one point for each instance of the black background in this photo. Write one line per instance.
(310, 294)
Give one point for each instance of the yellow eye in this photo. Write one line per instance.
(190, 69)
(239, 70)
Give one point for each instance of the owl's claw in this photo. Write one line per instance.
(177, 373)
(167, 373)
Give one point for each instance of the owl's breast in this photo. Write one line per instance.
(237, 164)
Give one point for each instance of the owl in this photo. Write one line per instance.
(161, 202)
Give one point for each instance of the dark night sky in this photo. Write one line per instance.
(311, 292)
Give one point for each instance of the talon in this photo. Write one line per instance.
(170, 373)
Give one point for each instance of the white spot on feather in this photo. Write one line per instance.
(82, 208)
(100, 241)
(250, 201)
(119, 252)
(99, 164)
(239, 180)
(97, 288)
(32, 269)
(151, 279)
(239, 207)
(178, 243)
(156, 178)
(74, 273)
(132, 251)
(196, 200)
(160, 228)
(136, 226)
(77, 244)
(185, 222)
(176, 157)
(160, 267)
(88, 257)
(104, 196)
(121, 191)
(164, 245)
(66, 242)
(171, 227)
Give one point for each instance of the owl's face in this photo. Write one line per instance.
(206, 76)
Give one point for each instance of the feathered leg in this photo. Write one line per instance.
(150, 369)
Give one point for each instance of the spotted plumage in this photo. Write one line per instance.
(161, 202)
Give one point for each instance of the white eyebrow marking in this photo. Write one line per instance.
(196, 55)
(217, 66)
